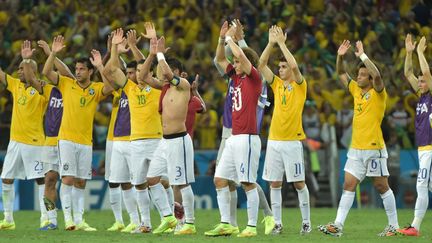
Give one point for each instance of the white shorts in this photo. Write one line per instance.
(240, 159)
(142, 152)
(108, 155)
(284, 156)
(226, 133)
(75, 159)
(424, 178)
(22, 161)
(371, 163)
(50, 158)
(121, 167)
(174, 158)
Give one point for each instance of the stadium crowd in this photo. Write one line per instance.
(315, 29)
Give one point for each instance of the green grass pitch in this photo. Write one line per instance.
(362, 225)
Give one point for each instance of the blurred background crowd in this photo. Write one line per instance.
(315, 29)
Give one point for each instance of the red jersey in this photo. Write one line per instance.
(247, 89)
(194, 107)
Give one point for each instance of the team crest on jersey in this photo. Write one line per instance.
(367, 96)
(32, 92)
(91, 91)
(147, 89)
(290, 88)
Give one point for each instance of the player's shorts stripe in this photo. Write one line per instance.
(380, 156)
(249, 157)
(184, 159)
(429, 175)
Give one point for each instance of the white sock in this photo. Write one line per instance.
(52, 216)
(390, 208)
(8, 196)
(41, 193)
(345, 205)
(252, 206)
(129, 199)
(78, 204)
(263, 203)
(66, 201)
(188, 204)
(170, 195)
(143, 201)
(421, 206)
(303, 197)
(159, 198)
(116, 204)
(276, 204)
(223, 199)
(233, 208)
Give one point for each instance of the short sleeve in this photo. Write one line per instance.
(275, 82)
(352, 86)
(302, 85)
(230, 71)
(46, 90)
(99, 91)
(11, 83)
(382, 95)
(64, 82)
(128, 86)
(254, 75)
(196, 105)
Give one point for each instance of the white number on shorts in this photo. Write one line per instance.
(39, 166)
(178, 171)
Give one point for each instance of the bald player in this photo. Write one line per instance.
(23, 160)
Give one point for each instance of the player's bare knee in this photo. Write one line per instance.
(113, 185)
(220, 183)
(182, 186)
(40, 181)
(8, 181)
(276, 184)
(299, 185)
(126, 186)
(381, 186)
(68, 180)
(165, 183)
(51, 179)
(79, 183)
(153, 181)
(248, 186)
(141, 186)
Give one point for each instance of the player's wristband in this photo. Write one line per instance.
(242, 43)
(221, 40)
(175, 81)
(363, 57)
(227, 38)
(160, 56)
(27, 60)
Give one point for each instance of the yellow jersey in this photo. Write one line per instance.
(79, 108)
(27, 113)
(145, 119)
(286, 123)
(369, 111)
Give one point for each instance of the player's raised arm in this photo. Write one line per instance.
(48, 70)
(244, 62)
(132, 43)
(424, 66)
(220, 50)
(377, 82)
(408, 68)
(96, 60)
(29, 66)
(62, 68)
(112, 71)
(195, 92)
(167, 73)
(292, 64)
(144, 72)
(263, 61)
(340, 67)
